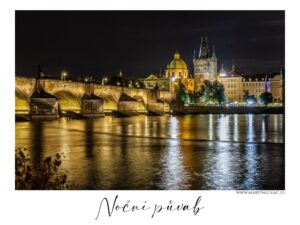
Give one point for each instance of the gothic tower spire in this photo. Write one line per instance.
(233, 65)
(213, 53)
(204, 52)
(200, 51)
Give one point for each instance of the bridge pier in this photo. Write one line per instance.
(92, 106)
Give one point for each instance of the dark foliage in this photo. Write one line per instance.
(213, 93)
(45, 177)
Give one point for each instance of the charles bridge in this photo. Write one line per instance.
(70, 93)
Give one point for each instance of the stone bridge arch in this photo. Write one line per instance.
(110, 95)
(138, 94)
(111, 92)
(25, 86)
(77, 89)
(67, 101)
(69, 93)
(142, 106)
(22, 102)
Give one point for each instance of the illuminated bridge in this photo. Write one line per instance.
(69, 94)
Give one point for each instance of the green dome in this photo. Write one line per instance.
(177, 63)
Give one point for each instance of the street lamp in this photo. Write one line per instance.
(64, 75)
(104, 80)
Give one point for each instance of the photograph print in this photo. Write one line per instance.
(149, 100)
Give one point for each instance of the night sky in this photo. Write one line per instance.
(143, 42)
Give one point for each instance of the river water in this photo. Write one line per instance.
(200, 152)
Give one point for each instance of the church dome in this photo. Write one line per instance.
(177, 63)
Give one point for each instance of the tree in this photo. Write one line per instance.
(219, 92)
(249, 99)
(45, 177)
(181, 94)
(184, 97)
(246, 95)
(213, 92)
(266, 98)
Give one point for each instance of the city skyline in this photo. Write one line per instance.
(72, 40)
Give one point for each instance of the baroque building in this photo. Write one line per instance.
(232, 83)
(205, 65)
(236, 85)
(152, 81)
(177, 68)
(276, 87)
(177, 72)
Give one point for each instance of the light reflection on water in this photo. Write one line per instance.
(210, 152)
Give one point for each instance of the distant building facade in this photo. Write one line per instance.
(232, 82)
(276, 87)
(152, 80)
(256, 84)
(120, 80)
(236, 85)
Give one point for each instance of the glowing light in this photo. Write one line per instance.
(174, 127)
(210, 127)
(250, 102)
(174, 174)
(263, 130)
(224, 128)
(251, 163)
(64, 75)
(250, 125)
(236, 128)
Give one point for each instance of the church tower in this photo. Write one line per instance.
(205, 65)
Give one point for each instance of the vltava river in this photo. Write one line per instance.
(208, 152)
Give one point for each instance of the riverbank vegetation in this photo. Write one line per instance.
(46, 176)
